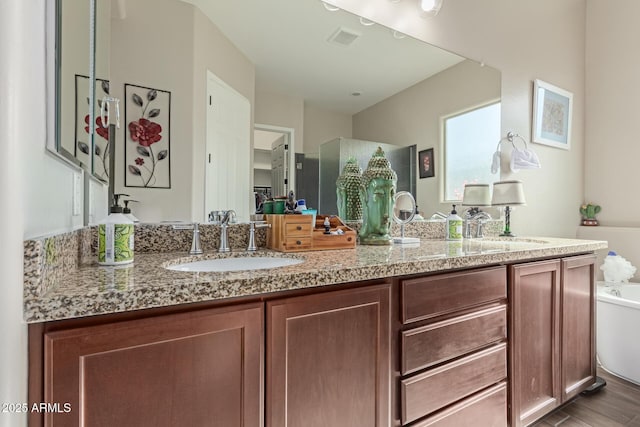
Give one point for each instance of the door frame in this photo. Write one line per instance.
(289, 134)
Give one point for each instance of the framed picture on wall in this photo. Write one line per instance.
(552, 110)
(426, 164)
(147, 152)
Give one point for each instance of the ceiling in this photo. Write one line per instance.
(287, 42)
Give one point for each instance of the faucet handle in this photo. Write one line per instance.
(479, 230)
(252, 233)
(196, 249)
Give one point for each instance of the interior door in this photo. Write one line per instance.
(279, 169)
(228, 150)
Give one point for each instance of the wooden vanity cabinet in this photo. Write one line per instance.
(192, 369)
(453, 356)
(552, 344)
(328, 359)
(423, 350)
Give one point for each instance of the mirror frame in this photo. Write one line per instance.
(412, 199)
(54, 57)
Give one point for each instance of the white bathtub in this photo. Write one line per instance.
(618, 325)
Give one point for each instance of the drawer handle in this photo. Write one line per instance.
(349, 239)
(298, 242)
(298, 228)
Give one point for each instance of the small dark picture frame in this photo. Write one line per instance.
(426, 164)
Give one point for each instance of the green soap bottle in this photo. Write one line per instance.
(115, 237)
(454, 226)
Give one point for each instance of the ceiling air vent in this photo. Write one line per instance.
(343, 37)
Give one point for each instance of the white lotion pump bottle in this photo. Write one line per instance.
(454, 226)
(115, 237)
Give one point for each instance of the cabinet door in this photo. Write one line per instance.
(534, 369)
(328, 359)
(202, 368)
(578, 325)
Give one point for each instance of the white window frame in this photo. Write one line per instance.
(443, 146)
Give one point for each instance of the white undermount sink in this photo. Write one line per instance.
(235, 264)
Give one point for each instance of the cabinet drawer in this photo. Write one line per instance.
(297, 229)
(432, 390)
(431, 344)
(431, 296)
(297, 243)
(487, 409)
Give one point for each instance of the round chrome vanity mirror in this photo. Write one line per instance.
(404, 209)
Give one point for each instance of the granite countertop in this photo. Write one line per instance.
(91, 289)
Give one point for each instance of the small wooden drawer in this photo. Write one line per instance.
(297, 229)
(487, 408)
(431, 344)
(333, 241)
(297, 243)
(432, 390)
(289, 232)
(432, 296)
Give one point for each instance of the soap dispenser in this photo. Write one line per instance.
(454, 226)
(127, 210)
(115, 236)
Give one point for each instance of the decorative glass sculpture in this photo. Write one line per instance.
(348, 191)
(376, 193)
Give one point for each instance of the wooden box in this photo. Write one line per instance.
(289, 233)
(296, 233)
(333, 241)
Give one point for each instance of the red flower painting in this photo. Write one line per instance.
(146, 132)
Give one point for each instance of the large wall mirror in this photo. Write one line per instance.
(312, 74)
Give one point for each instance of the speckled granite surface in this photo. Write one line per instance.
(89, 289)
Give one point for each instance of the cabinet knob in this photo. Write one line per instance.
(299, 228)
(298, 242)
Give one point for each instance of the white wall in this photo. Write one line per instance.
(321, 125)
(613, 110)
(22, 134)
(282, 110)
(525, 40)
(75, 60)
(144, 53)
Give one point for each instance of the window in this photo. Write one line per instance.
(470, 139)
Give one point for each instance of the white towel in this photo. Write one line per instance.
(524, 159)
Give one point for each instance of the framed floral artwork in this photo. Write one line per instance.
(426, 164)
(82, 148)
(552, 110)
(147, 137)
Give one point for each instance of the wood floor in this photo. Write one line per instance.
(618, 404)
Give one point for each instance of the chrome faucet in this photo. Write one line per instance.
(224, 223)
(252, 233)
(438, 216)
(196, 249)
(477, 216)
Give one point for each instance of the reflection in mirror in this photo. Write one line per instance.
(73, 88)
(288, 58)
(404, 210)
(72, 78)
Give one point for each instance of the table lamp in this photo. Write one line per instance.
(508, 193)
(476, 195)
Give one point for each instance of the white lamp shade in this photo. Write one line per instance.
(476, 195)
(508, 193)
